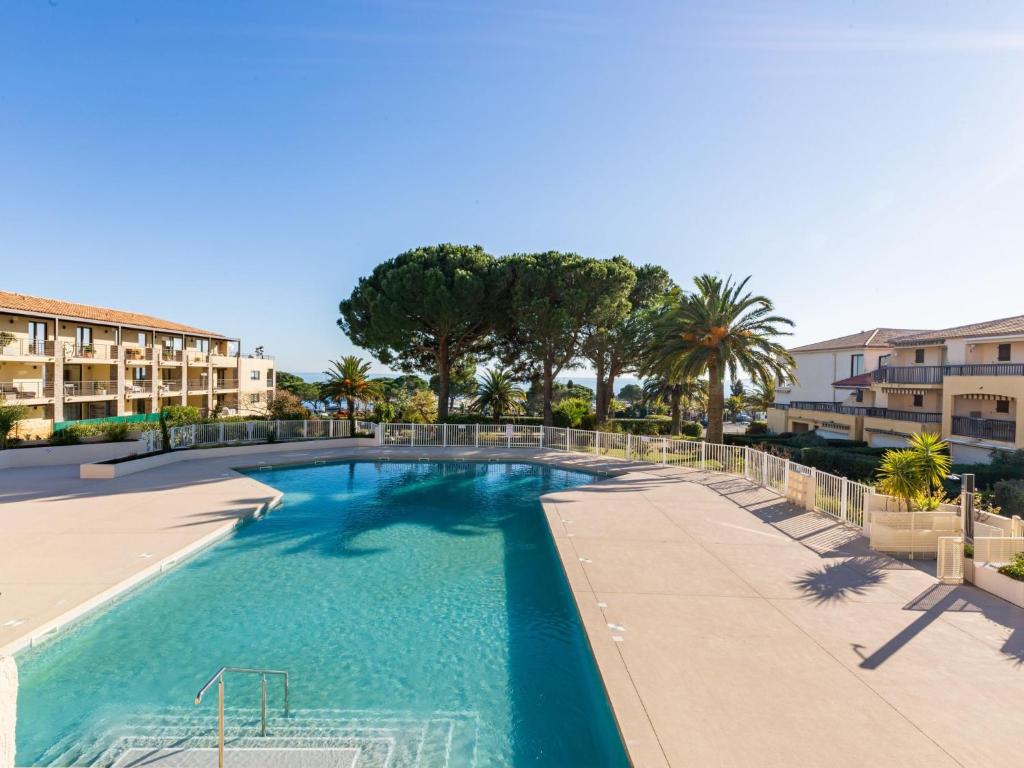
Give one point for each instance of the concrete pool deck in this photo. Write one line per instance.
(731, 629)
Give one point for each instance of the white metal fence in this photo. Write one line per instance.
(240, 432)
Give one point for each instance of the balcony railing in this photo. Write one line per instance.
(27, 348)
(986, 429)
(826, 407)
(919, 417)
(908, 374)
(138, 387)
(196, 356)
(168, 387)
(138, 353)
(198, 385)
(986, 369)
(26, 390)
(171, 355)
(91, 351)
(89, 388)
(226, 384)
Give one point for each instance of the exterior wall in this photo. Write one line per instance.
(776, 420)
(885, 433)
(953, 404)
(904, 401)
(933, 355)
(970, 454)
(845, 425)
(815, 372)
(988, 351)
(255, 384)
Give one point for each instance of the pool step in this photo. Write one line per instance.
(182, 736)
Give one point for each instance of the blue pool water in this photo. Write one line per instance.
(419, 606)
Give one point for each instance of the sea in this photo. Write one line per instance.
(587, 381)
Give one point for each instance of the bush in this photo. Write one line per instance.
(1008, 495)
(648, 426)
(691, 429)
(177, 415)
(70, 435)
(852, 465)
(1014, 570)
(758, 428)
(117, 431)
(569, 412)
(479, 418)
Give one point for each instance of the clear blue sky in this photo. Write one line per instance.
(239, 165)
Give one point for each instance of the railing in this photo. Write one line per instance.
(920, 417)
(780, 406)
(848, 410)
(986, 369)
(169, 386)
(949, 560)
(25, 390)
(197, 356)
(226, 384)
(198, 385)
(27, 348)
(89, 388)
(171, 355)
(986, 429)
(138, 387)
(237, 432)
(997, 550)
(908, 374)
(218, 678)
(138, 353)
(91, 351)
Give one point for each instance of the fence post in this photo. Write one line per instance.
(765, 480)
(305, 428)
(541, 436)
(785, 479)
(703, 455)
(812, 493)
(597, 443)
(746, 463)
(664, 451)
(444, 435)
(629, 446)
(476, 439)
(277, 428)
(844, 496)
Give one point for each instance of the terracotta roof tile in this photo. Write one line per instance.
(860, 381)
(875, 337)
(1004, 327)
(70, 310)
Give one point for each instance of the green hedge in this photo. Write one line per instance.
(479, 418)
(855, 466)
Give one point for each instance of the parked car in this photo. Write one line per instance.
(743, 419)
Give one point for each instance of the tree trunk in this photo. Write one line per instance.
(444, 370)
(609, 394)
(549, 419)
(352, 414)
(675, 403)
(716, 401)
(600, 408)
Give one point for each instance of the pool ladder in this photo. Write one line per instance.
(218, 678)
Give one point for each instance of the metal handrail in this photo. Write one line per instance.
(218, 677)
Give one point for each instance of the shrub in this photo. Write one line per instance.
(647, 426)
(70, 435)
(569, 412)
(10, 415)
(758, 428)
(117, 431)
(852, 465)
(1008, 495)
(691, 429)
(1014, 570)
(177, 415)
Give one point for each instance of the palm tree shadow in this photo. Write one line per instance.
(837, 581)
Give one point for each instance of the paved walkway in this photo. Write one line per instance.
(733, 629)
(730, 628)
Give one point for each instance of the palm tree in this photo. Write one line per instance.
(497, 393)
(720, 329)
(915, 473)
(676, 393)
(762, 397)
(346, 379)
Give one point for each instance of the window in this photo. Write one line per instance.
(142, 340)
(918, 401)
(860, 396)
(1003, 353)
(254, 375)
(139, 373)
(1002, 406)
(856, 365)
(203, 345)
(83, 337)
(918, 355)
(254, 398)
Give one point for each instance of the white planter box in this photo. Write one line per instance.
(989, 578)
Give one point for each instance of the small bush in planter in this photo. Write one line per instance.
(71, 435)
(117, 432)
(1014, 570)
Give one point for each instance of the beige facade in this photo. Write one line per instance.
(966, 383)
(91, 362)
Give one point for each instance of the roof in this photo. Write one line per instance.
(19, 302)
(1004, 327)
(860, 381)
(876, 337)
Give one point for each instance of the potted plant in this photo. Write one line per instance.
(88, 350)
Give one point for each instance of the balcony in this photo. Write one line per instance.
(847, 410)
(141, 355)
(198, 385)
(986, 369)
(90, 388)
(196, 357)
(908, 374)
(918, 417)
(171, 356)
(90, 352)
(223, 385)
(138, 388)
(169, 387)
(27, 348)
(985, 429)
(25, 390)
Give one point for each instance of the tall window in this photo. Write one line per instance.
(37, 337)
(1003, 353)
(254, 375)
(83, 337)
(203, 345)
(918, 401)
(856, 365)
(142, 340)
(918, 355)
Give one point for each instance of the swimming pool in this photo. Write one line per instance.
(419, 608)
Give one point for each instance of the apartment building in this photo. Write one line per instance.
(69, 362)
(965, 383)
